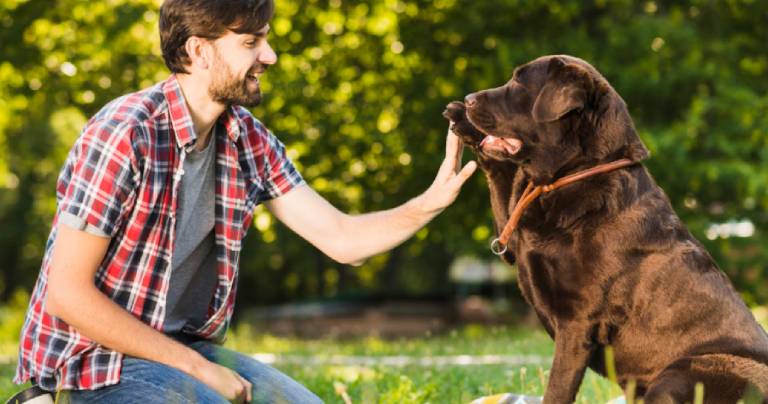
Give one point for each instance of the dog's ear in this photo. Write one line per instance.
(565, 90)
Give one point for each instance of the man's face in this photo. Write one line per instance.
(238, 62)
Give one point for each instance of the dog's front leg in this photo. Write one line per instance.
(571, 357)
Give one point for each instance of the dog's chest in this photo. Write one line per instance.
(551, 273)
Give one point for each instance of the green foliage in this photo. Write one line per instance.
(357, 95)
(60, 63)
(11, 320)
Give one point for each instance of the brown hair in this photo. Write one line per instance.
(210, 19)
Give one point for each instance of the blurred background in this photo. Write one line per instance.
(357, 96)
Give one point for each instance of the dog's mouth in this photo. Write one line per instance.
(504, 145)
(493, 145)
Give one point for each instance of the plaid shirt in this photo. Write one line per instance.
(122, 176)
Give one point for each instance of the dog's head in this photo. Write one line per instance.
(555, 113)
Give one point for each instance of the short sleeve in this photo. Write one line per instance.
(66, 218)
(97, 184)
(278, 171)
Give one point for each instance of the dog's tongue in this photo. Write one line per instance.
(508, 145)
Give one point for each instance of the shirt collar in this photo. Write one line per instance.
(181, 119)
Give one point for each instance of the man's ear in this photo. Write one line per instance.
(566, 89)
(197, 51)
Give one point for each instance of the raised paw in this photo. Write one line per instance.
(456, 112)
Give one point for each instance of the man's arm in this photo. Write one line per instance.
(353, 238)
(73, 297)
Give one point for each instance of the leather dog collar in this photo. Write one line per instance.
(499, 245)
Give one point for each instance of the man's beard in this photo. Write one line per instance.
(226, 88)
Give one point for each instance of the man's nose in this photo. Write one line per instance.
(267, 55)
(470, 100)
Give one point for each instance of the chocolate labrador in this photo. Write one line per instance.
(604, 260)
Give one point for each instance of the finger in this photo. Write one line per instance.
(248, 390)
(466, 172)
(240, 390)
(453, 151)
(452, 143)
(458, 154)
(457, 144)
(459, 140)
(245, 393)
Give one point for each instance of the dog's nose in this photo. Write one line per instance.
(470, 100)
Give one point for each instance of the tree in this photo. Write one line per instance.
(357, 96)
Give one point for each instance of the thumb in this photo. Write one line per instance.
(466, 172)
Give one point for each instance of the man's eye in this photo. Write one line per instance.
(250, 44)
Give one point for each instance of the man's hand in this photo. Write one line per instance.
(225, 381)
(450, 177)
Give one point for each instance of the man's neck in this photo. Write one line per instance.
(204, 110)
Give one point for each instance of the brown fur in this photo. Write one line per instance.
(606, 261)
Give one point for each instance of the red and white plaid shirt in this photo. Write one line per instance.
(122, 176)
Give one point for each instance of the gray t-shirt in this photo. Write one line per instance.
(193, 278)
(194, 272)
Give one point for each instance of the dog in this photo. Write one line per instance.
(604, 260)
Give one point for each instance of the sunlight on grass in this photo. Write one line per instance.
(351, 374)
(472, 340)
(419, 384)
(406, 382)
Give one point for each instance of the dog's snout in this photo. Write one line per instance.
(470, 100)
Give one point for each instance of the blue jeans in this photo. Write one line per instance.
(147, 382)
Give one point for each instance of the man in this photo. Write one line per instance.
(138, 280)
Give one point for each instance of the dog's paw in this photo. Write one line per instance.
(455, 112)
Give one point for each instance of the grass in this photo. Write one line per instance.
(7, 388)
(412, 383)
(474, 340)
(417, 384)
(403, 384)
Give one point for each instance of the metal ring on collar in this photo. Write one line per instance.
(497, 248)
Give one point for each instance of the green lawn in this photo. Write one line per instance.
(377, 383)
(410, 383)
(7, 388)
(418, 384)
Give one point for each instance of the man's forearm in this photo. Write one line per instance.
(351, 239)
(98, 318)
(366, 235)
(363, 236)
